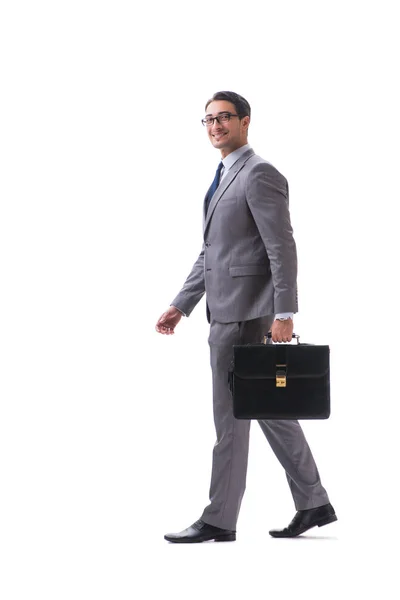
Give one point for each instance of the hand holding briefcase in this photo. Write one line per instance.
(280, 381)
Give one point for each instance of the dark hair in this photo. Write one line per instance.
(241, 105)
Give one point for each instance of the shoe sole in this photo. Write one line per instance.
(231, 537)
(226, 538)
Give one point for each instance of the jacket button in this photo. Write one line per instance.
(208, 244)
(208, 269)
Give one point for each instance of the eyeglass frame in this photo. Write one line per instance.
(217, 118)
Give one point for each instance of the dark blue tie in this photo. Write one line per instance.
(214, 185)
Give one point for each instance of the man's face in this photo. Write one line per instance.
(229, 135)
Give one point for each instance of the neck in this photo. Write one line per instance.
(225, 151)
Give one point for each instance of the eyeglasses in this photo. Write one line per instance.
(222, 118)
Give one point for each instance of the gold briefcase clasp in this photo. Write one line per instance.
(280, 375)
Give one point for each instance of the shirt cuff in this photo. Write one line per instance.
(285, 315)
(181, 311)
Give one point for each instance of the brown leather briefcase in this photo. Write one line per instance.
(280, 381)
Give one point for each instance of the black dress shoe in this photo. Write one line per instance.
(201, 532)
(305, 519)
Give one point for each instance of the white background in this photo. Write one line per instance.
(106, 428)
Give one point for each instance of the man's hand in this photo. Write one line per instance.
(281, 331)
(168, 321)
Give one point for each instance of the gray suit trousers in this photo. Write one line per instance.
(230, 454)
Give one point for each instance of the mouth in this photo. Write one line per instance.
(218, 136)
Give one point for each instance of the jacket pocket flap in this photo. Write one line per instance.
(248, 270)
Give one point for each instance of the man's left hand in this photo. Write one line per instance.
(281, 331)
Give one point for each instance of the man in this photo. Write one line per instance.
(247, 267)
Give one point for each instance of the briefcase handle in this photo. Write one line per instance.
(269, 335)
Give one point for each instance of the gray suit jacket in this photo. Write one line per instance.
(248, 264)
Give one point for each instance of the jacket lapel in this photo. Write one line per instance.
(225, 184)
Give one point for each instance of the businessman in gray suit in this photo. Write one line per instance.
(247, 268)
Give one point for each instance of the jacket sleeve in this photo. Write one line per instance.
(267, 196)
(193, 289)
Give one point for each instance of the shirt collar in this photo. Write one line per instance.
(230, 160)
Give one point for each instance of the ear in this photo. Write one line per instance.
(245, 122)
